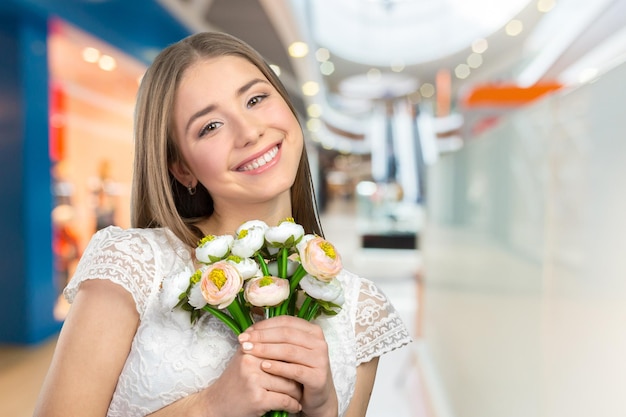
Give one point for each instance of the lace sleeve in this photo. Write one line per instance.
(379, 329)
(125, 257)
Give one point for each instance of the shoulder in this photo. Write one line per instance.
(114, 235)
(135, 259)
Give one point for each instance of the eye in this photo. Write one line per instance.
(256, 100)
(208, 128)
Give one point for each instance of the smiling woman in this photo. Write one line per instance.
(217, 144)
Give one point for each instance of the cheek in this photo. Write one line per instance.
(206, 165)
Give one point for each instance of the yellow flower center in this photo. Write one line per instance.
(196, 277)
(218, 276)
(206, 239)
(265, 281)
(234, 258)
(328, 249)
(242, 234)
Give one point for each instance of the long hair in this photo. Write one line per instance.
(157, 198)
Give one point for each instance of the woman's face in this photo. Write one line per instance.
(237, 135)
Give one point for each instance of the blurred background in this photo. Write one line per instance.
(467, 158)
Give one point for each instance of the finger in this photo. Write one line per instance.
(279, 384)
(283, 321)
(313, 378)
(301, 334)
(278, 401)
(305, 363)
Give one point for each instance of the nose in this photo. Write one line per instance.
(251, 129)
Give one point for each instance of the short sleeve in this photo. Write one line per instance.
(124, 257)
(379, 329)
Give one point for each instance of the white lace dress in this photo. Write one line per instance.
(170, 358)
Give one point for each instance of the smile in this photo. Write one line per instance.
(260, 161)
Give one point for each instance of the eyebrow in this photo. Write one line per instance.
(240, 91)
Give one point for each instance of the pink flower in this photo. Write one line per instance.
(220, 284)
(320, 259)
(266, 291)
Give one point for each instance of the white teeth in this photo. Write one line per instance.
(262, 160)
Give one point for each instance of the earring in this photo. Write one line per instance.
(191, 189)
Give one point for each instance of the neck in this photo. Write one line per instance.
(227, 218)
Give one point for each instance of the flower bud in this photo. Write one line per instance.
(266, 291)
(214, 248)
(220, 284)
(286, 234)
(320, 259)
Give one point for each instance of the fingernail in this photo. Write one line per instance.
(247, 346)
(244, 337)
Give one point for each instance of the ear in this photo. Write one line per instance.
(182, 174)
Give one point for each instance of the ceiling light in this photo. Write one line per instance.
(373, 74)
(475, 60)
(462, 71)
(310, 88)
(480, 45)
(327, 67)
(91, 55)
(427, 90)
(276, 69)
(314, 125)
(545, 6)
(359, 32)
(298, 49)
(322, 54)
(397, 65)
(514, 27)
(314, 110)
(107, 63)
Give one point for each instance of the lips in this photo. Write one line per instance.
(260, 161)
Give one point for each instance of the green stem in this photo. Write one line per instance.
(236, 311)
(312, 311)
(287, 306)
(263, 265)
(245, 309)
(305, 306)
(296, 277)
(229, 321)
(282, 263)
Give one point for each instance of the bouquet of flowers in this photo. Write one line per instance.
(278, 270)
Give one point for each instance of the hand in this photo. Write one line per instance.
(294, 349)
(245, 390)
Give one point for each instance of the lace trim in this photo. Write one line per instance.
(379, 328)
(130, 258)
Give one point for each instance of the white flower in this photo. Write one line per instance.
(214, 248)
(286, 234)
(174, 286)
(196, 299)
(252, 224)
(331, 291)
(248, 242)
(246, 267)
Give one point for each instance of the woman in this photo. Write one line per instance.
(217, 143)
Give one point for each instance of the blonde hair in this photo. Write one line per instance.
(159, 200)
